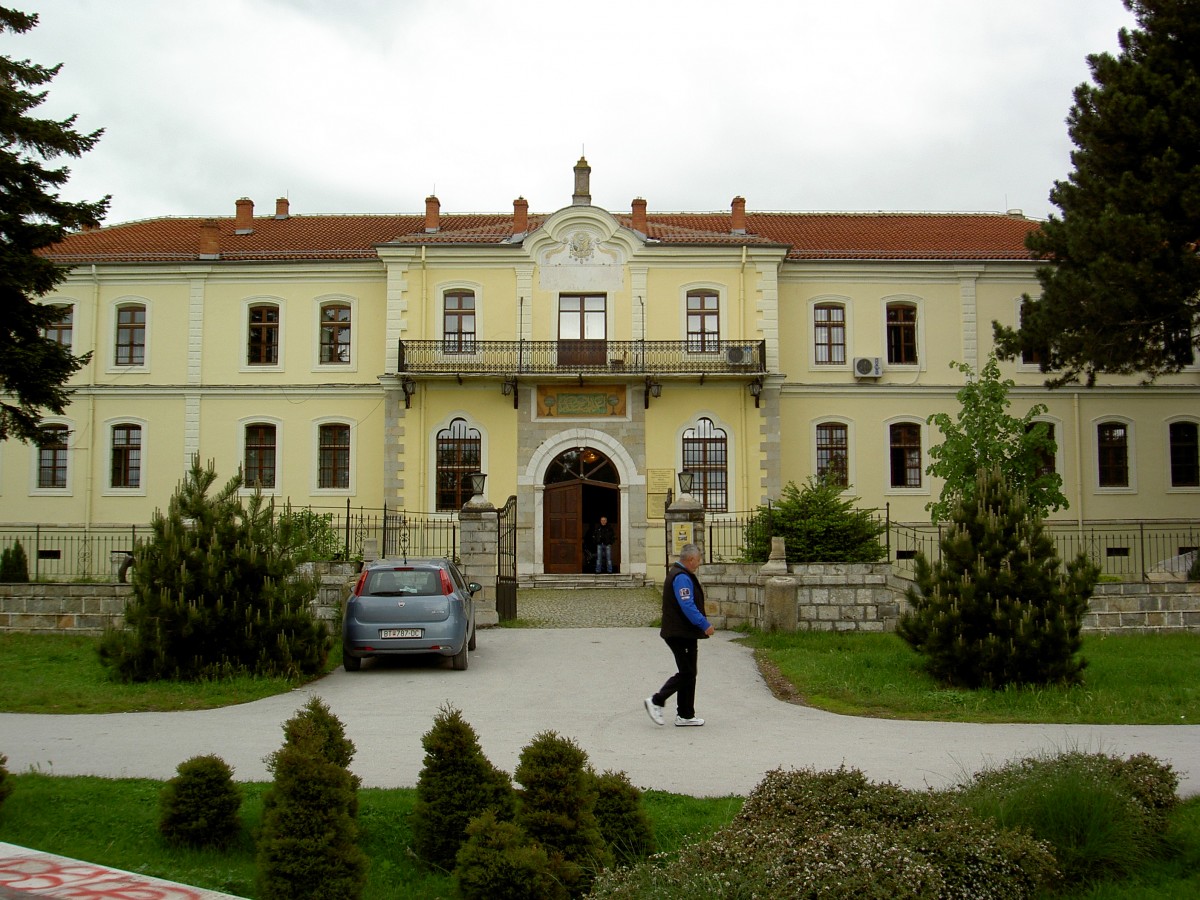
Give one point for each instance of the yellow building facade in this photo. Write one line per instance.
(581, 359)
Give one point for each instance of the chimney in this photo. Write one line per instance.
(639, 215)
(432, 207)
(281, 208)
(210, 239)
(243, 223)
(520, 215)
(739, 215)
(583, 190)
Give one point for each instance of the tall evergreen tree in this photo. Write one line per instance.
(215, 593)
(1120, 288)
(995, 609)
(983, 435)
(33, 368)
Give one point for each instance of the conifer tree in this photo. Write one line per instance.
(1121, 284)
(995, 609)
(33, 367)
(456, 784)
(215, 593)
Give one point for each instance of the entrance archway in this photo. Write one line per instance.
(581, 485)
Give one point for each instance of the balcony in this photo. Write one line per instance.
(584, 357)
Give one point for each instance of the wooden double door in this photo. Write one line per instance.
(577, 493)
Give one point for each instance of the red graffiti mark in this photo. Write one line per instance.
(80, 881)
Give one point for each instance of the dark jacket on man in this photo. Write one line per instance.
(675, 623)
(602, 534)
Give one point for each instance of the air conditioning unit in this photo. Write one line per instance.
(739, 356)
(868, 366)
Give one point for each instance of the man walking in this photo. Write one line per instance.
(683, 625)
(602, 536)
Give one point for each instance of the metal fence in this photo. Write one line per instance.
(97, 552)
(1122, 548)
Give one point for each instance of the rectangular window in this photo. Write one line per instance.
(833, 446)
(1045, 459)
(829, 335)
(126, 456)
(582, 330)
(902, 334)
(459, 453)
(264, 336)
(259, 467)
(703, 322)
(1112, 444)
(906, 455)
(334, 457)
(61, 331)
(458, 322)
(52, 457)
(1185, 455)
(335, 333)
(131, 336)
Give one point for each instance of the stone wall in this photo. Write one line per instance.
(1154, 606)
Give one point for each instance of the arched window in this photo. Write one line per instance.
(52, 457)
(1112, 454)
(1185, 454)
(459, 453)
(335, 333)
(833, 452)
(905, 440)
(258, 469)
(902, 334)
(458, 321)
(130, 347)
(126, 457)
(706, 456)
(263, 343)
(829, 334)
(61, 331)
(703, 321)
(333, 457)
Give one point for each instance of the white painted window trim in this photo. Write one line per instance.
(888, 488)
(278, 303)
(108, 424)
(320, 303)
(1166, 432)
(440, 328)
(810, 330)
(922, 357)
(1130, 455)
(315, 472)
(35, 462)
(851, 469)
(111, 349)
(243, 424)
(722, 292)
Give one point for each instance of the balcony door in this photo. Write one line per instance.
(582, 329)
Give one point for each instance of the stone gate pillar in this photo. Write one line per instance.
(478, 545)
(685, 525)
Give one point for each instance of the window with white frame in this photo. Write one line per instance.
(458, 321)
(1112, 454)
(262, 334)
(125, 456)
(335, 331)
(904, 439)
(706, 456)
(333, 456)
(829, 334)
(53, 457)
(703, 321)
(62, 329)
(1185, 454)
(833, 452)
(902, 333)
(260, 451)
(130, 343)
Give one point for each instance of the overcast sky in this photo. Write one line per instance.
(364, 106)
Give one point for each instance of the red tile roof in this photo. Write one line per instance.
(810, 236)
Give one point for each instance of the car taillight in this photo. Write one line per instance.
(362, 581)
(447, 584)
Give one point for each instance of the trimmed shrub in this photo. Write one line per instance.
(1104, 816)
(215, 593)
(14, 565)
(456, 784)
(308, 845)
(558, 809)
(199, 806)
(804, 834)
(6, 785)
(819, 524)
(498, 861)
(995, 610)
(622, 818)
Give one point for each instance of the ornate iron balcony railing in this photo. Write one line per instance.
(457, 356)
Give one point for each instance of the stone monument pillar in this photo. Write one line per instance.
(478, 544)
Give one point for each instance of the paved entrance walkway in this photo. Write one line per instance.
(625, 607)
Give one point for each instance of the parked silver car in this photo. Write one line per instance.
(413, 606)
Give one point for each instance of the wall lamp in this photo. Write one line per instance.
(509, 386)
(409, 387)
(756, 387)
(653, 389)
(477, 482)
(685, 482)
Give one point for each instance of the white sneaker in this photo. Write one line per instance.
(681, 721)
(655, 712)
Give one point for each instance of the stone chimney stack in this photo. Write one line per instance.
(739, 215)
(520, 215)
(433, 208)
(583, 190)
(639, 215)
(281, 208)
(210, 239)
(243, 222)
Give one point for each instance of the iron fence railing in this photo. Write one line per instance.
(585, 356)
(73, 553)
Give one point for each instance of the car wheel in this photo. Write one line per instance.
(350, 663)
(460, 658)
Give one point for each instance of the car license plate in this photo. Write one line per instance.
(401, 632)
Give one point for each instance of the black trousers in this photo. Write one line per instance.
(683, 682)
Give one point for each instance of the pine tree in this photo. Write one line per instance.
(995, 609)
(819, 524)
(33, 368)
(1121, 285)
(215, 593)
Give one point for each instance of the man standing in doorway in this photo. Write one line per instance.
(683, 625)
(602, 537)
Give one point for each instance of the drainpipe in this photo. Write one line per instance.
(1079, 476)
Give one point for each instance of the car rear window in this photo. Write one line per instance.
(397, 582)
